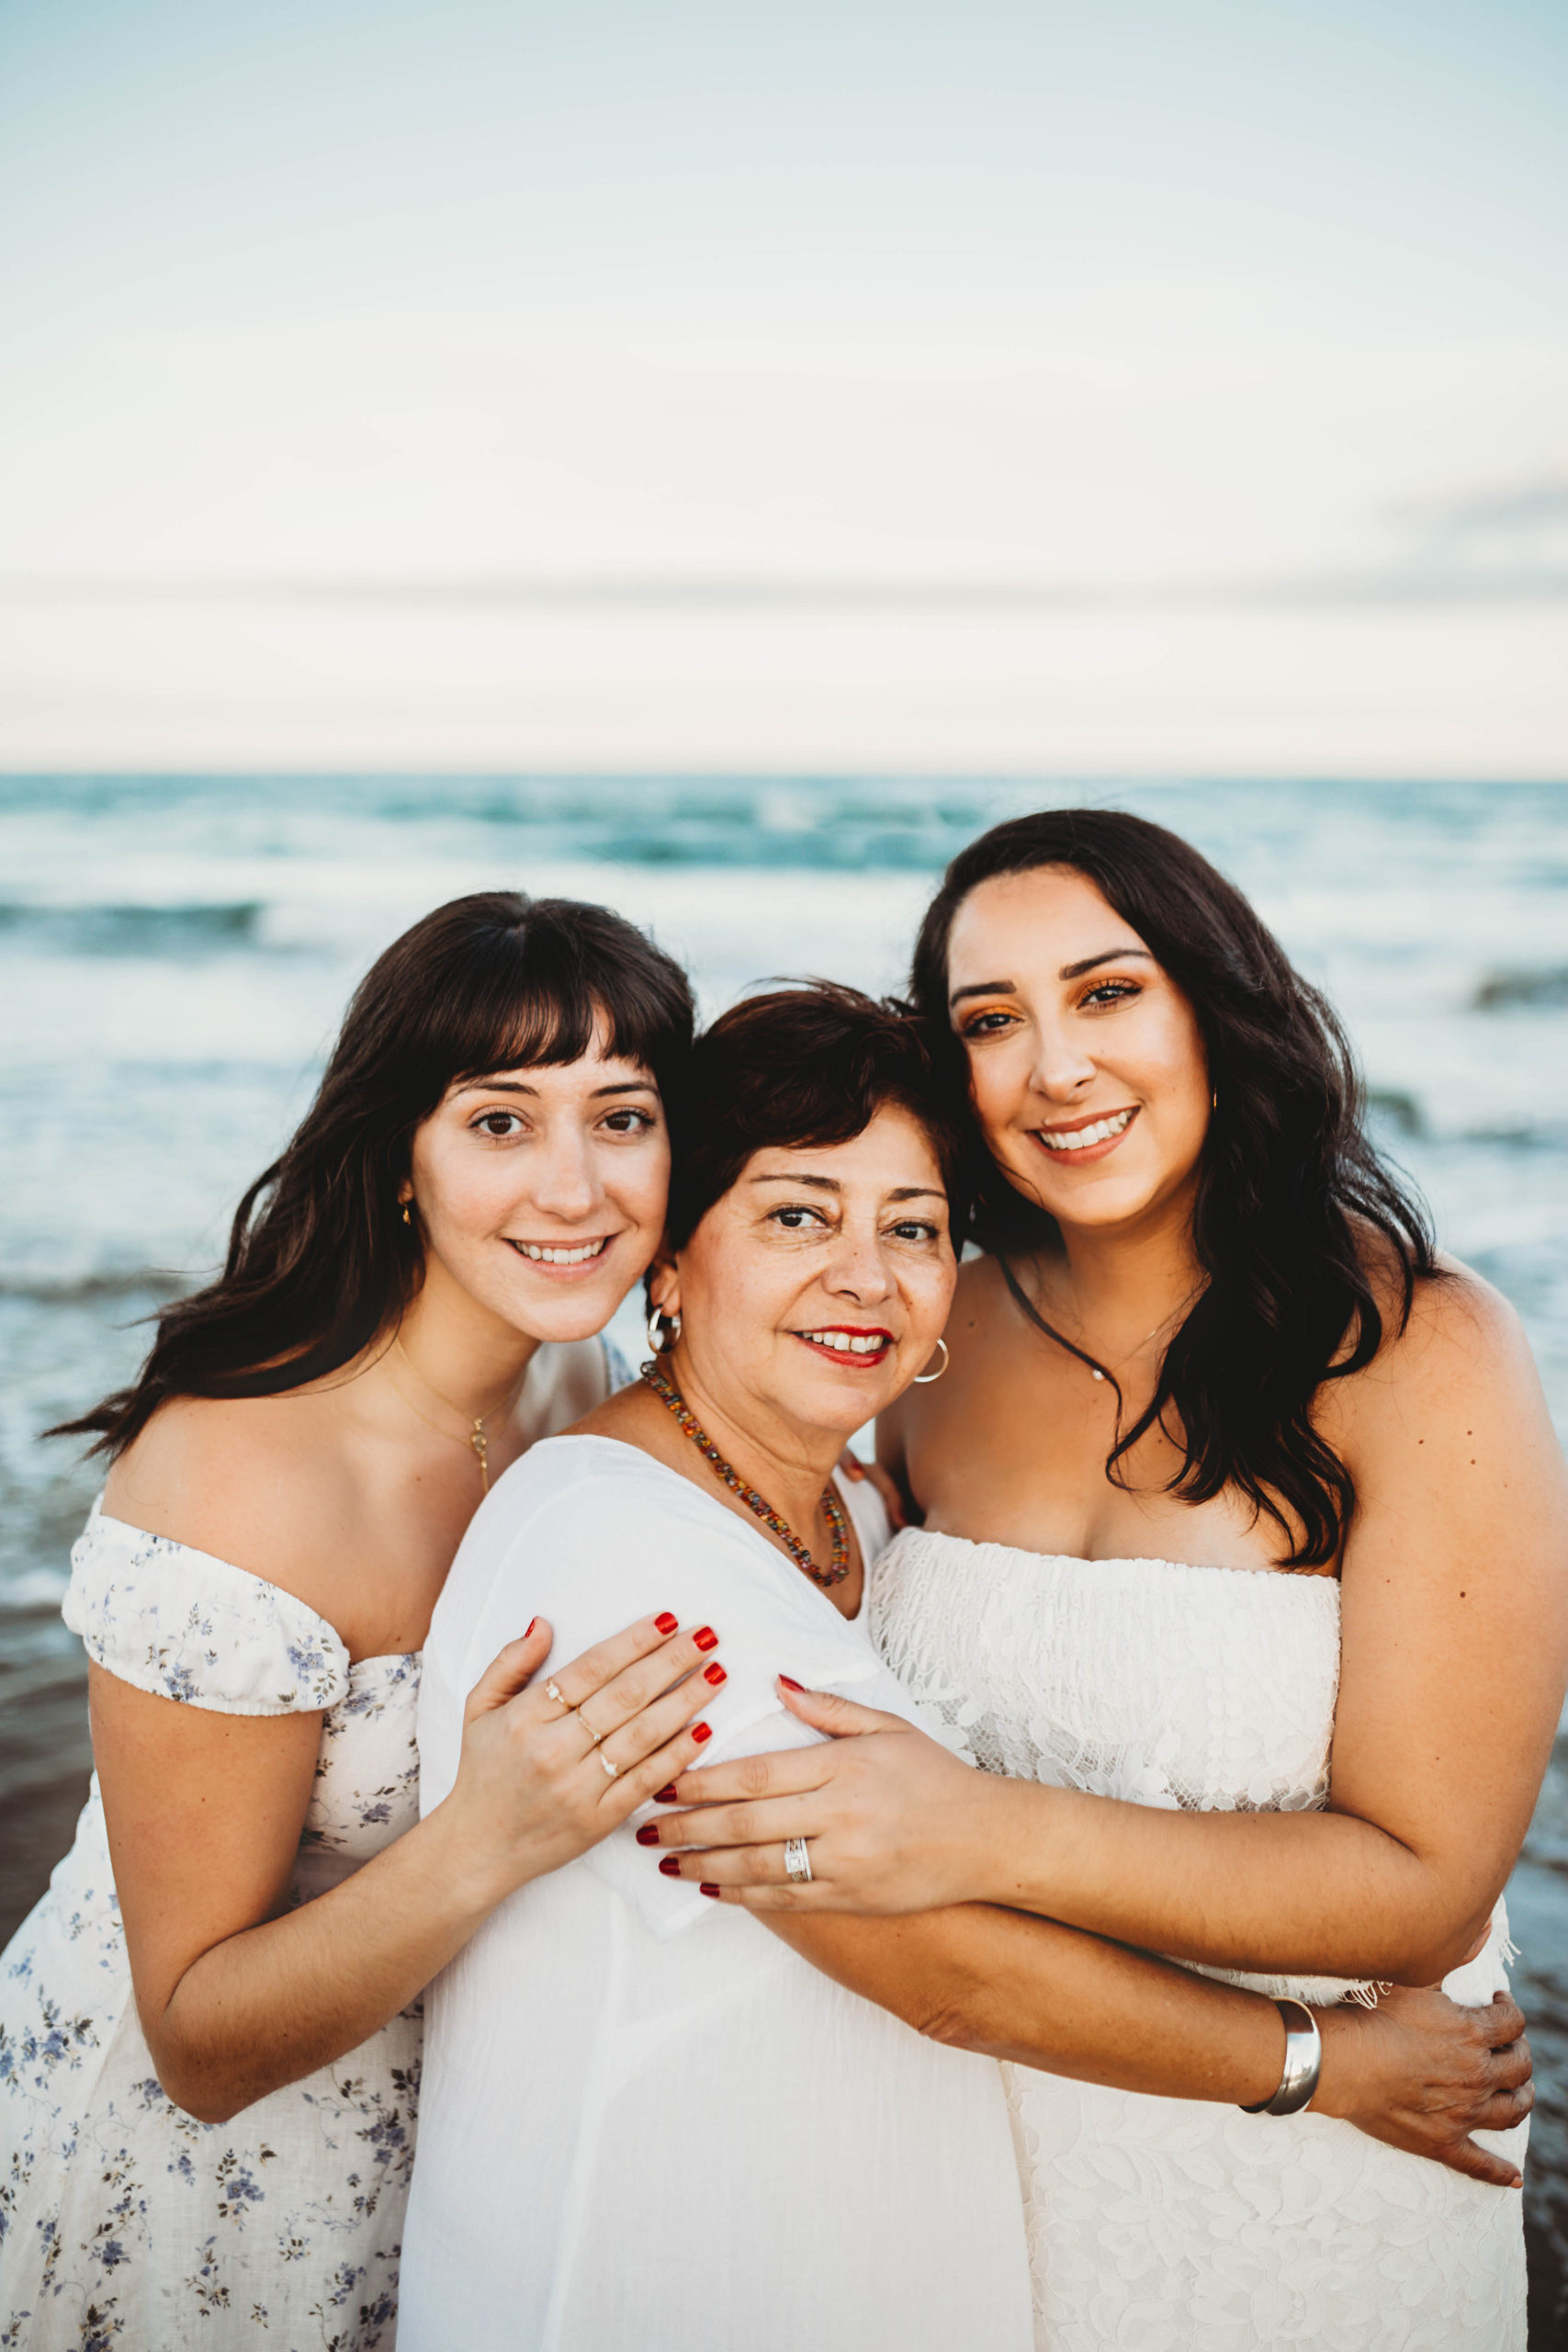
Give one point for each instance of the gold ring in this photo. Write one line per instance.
(595, 1735)
(552, 1690)
(610, 1769)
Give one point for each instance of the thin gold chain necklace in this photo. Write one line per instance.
(477, 1437)
(1096, 1371)
(687, 1420)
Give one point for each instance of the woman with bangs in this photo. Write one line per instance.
(1241, 1565)
(209, 2026)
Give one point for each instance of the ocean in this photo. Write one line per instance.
(175, 955)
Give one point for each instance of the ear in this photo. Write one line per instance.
(662, 1281)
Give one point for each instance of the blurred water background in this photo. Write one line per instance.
(175, 952)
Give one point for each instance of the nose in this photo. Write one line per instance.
(858, 1270)
(562, 1182)
(1062, 1067)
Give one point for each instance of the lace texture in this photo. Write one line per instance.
(1162, 2225)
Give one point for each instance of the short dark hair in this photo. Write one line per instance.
(320, 1261)
(812, 1063)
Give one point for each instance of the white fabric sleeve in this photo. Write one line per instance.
(185, 1626)
(609, 1548)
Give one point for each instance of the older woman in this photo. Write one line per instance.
(645, 2123)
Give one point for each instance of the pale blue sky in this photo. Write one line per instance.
(1108, 297)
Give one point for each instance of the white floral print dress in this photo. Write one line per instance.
(125, 2225)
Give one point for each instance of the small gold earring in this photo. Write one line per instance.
(407, 1218)
(1213, 1105)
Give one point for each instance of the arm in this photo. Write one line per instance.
(1422, 2077)
(238, 1994)
(1454, 1590)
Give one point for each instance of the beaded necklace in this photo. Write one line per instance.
(752, 1499)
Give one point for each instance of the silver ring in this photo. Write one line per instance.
(797, 1861)
(552, 1690)
(609, 1768)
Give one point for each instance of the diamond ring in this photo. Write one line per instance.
(797, 1861)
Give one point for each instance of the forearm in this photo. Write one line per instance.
(297, 1992)
(1317, 1893)
(979, 1978)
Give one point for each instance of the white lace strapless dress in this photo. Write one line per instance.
(1162, 2224)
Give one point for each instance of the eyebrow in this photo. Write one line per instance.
(1067, 972)
(516, 1085)
(831, 1184)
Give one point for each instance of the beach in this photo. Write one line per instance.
(175, 952)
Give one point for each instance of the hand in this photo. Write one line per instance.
(1423, 2073)
(893, 1820)
(532, 1791)
(887, 1485)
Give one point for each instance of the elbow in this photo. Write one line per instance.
(198, 2091)
(945, 2016)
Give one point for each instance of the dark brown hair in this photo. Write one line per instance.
(1292, 1201)
(319, 1260)
(808, 1064)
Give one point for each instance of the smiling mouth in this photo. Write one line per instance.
(847, 1345)
(1085, 1138)
(560, 1253)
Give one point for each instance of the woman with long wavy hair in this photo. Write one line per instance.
(210, 2026)
(1241, 1565)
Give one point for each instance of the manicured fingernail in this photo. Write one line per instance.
(671, 1866)
(649, 1834)
(528, 1629)
(706, 1889)
(701, 1732)
(707, 1639)
(715, 1674)
(666, 1622)
(790, 1683)
(666, 1796)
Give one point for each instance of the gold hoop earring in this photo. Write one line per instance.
(924, 1379)
(657, 1320)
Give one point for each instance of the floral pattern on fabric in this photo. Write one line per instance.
(125, 2224)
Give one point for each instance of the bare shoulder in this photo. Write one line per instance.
(265, 1482)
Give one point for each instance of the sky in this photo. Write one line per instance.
(483, 382)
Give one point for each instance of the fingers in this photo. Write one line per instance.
(1506, 2108)
(1505, 2020)
(620, 1676)
(1509, 2067)
(787, 1772)
(751, 1876)
(650, 1731)
(639, 1782)
(1463, 2155)
(510, 1670)
(826, 1711)
(766, 1825)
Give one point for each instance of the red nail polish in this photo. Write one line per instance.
(666, 1796)
(707, 1639)
(532, 1622)
(671, 1866)
(649, 1834)
(666, 1622)
(715, 1674)
(706, 1889)
(701, 1732)
(790, 1684)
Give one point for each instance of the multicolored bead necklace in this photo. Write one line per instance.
(752, 1499)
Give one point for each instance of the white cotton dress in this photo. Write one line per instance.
(647, 2124)
(126, 2223)
(1170, 2226)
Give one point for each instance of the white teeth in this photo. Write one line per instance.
(849, 1343)
(560, 1257)
(1080, 1139)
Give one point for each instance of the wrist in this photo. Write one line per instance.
(1005, 1844)
(1344, 2061)
(472, 1877)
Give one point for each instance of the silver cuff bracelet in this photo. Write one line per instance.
(1304, 2062)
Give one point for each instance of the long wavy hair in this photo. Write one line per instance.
(1293, 1207)
(321, 1262)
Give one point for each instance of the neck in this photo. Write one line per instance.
(1132, 1275)
(470, 1358)
(787, 1463)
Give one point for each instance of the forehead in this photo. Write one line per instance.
(891, 1153)
(1023, 922)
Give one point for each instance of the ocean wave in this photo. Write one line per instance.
(134, 931)
(74, 1290)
